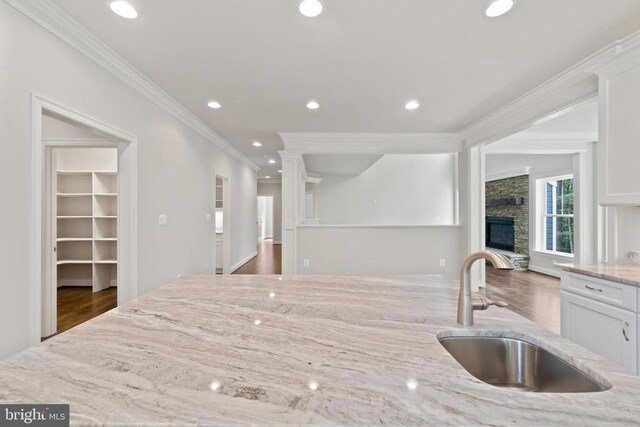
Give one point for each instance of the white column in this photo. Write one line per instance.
(476, 212)
(292, 208)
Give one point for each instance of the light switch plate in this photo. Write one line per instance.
(163, 219)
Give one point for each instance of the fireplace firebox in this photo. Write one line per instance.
(500, 233)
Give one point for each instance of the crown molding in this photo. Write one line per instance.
(571, 87)
(370, 143)
(57, 22)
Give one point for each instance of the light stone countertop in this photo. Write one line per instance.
(623, 273)
(359, 339)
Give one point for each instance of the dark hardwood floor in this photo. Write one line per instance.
(76, 305)
(268, 261)
(532, 295)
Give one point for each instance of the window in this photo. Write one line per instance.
(557, 214)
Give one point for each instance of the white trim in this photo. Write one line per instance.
(525, 145)
(543, 270)
(566, 89)
(279, 242)
(57, 22)
(226, 226)
(243, 261)
(390, 226)
(551, 254)
(554, 136)
(269, 181)
(372, 143)
(508, 174)
(311, 179)
(127, 224)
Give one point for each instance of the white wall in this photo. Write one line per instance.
(87, 159)
(175, 168)
(625, 232)
(412, 189)
(380, 250)
(268, 218)
(275, 190)
(542, 166)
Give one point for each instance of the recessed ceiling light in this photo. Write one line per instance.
(280, 171)
(412, 105)
(313, 105)
(271, 161)
(214, 104)
(268, 177)
(257, 144)
(310, 8)
(498, 7)
(124, 9)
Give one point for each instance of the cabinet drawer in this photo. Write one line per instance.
(609, 331)
(616, 294)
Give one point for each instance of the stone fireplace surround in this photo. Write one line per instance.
(504, 191)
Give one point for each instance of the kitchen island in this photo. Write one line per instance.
(321, 350)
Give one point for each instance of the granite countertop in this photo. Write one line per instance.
(623, 273)
(327, 350)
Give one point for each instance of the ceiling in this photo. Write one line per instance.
(342, 164)
(361, 59)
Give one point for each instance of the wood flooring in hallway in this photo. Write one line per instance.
(76, 305)
(532, 295)
(268, 260)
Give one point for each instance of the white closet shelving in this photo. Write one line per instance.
(87, 210)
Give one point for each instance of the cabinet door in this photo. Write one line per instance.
(619, 134)
(609, 331)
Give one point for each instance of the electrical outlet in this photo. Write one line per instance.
(633, 257)
(443, 263)
(306, 263)
(163, 220)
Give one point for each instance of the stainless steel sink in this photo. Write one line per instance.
(518, 365)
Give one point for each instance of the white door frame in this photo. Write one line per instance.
(226, 226)
(40, 246)
(477, 177)
(272, 197)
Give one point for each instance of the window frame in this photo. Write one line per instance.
(542, 215)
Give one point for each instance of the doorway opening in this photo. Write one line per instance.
(83, 218)
(540, 210)
(83, 224)
(222, 222)
(265, 218)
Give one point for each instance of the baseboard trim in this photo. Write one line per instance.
(547, 271)
(74, 283)
(243, 261)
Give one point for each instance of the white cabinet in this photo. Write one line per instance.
(604, 329)
(619, 131)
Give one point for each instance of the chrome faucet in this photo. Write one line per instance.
(466, 304)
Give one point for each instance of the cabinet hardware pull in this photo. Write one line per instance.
(624, 331)
(592, 288)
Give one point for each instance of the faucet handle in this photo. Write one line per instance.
(500, 304)
(483, 303)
